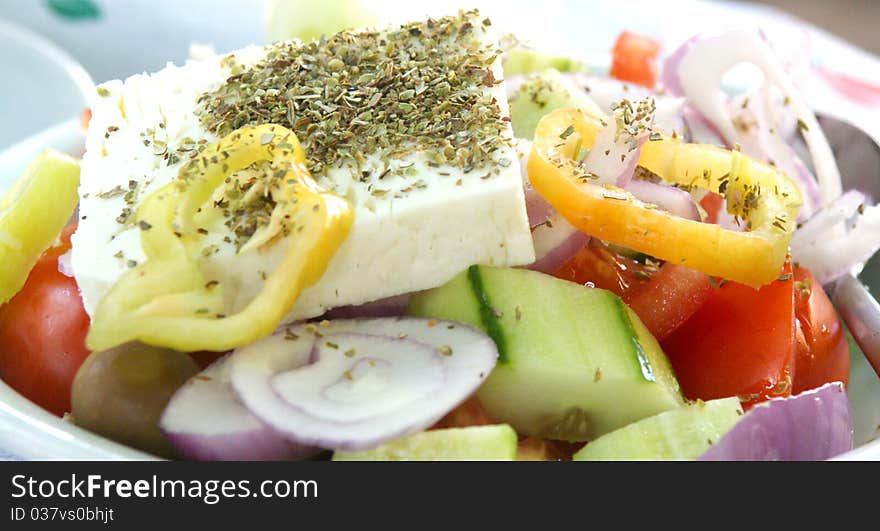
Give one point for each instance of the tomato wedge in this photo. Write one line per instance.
(42, 334)
(669, 298)
(822, 350)
(663, 297)
(712, 204)
(634, 58)
(600, 267)
(741, 342)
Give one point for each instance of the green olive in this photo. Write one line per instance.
(120, 393)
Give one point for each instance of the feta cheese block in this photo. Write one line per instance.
(409, 124)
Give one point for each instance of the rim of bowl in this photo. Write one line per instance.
(51, 51)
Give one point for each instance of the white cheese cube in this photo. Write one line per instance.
(413, 229)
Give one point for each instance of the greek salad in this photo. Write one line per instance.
(430, 241)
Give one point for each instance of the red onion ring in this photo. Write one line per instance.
(562, 253)
(696, 69)
(372, 380)
(615, 153)
(671, 199)
(812, 426)
(205, 421)
(838, 239)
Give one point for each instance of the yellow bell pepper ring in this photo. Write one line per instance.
(32, 214)
(763, 198)
(167, 300)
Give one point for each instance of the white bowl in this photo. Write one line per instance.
(49, 85)
(29, 432)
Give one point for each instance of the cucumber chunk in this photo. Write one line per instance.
(682, 434)
(476, 443)
(574, 362)
(524, 61)
(542, 93)
(307, 20)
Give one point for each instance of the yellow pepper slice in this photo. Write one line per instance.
(167, 300)
(764, 199)
(32, 214)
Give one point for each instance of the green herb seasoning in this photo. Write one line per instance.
(419, 88)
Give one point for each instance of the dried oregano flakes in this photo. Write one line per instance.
(420, 87)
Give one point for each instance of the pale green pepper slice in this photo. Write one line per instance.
(167, 300)
(32, 214)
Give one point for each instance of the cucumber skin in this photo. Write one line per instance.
(681, 434)
(487, 313)
(550, 387)
(496, 442)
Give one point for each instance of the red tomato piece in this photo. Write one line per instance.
(669, 298)
(599, 267)
(823, 352)
(663, 298)
(469, 413)
(42, 334)
(85, 117)
(741, 342)
(712, 203)
(634, 58)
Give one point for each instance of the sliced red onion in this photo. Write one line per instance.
(840, 248)
(759, 137)
(670, 81)
(828, 220)
(812, 195)
(698, 129)
(697, 68)
(205, 421)
(537, 208)
(554, 238)
(812, 426)
(669, 115)
(728, 221)
(368, 381)
(64, 266)
(614, 155)
(555, 244)
(674, 200)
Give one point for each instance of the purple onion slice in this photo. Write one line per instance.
(812, 426)
(367, 381)
(671, 199)
(205, 421)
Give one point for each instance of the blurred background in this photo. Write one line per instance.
(853, 20)
(115, 38)
(52, 51)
